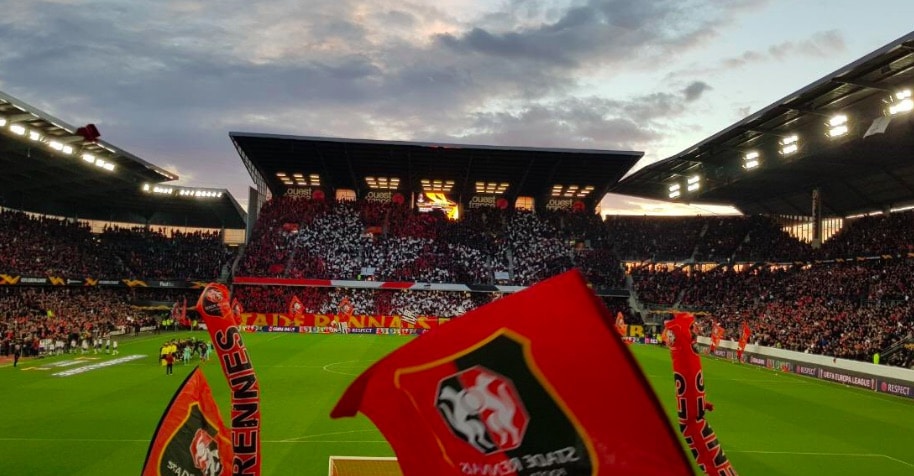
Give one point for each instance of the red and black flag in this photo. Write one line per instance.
(237, 310)
(216, 312)
(296, 308)
(620, 324)
(691, 403)
(191, 438)
(525, 385)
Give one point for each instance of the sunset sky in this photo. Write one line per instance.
(168, 80)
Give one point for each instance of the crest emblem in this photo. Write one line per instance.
(484, 409)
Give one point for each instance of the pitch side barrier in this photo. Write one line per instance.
(878, 378)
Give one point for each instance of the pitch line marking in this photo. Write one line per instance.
(810, 453)
(327, 368)
(293, 440)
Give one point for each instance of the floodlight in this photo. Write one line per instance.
(675, 187)
(837, 131)
(145, 187)
(750, 164)
(789, 149)
(694, 179)
(89, 158)
(675, 194)
(34, 135)
(55, 145)
(837, 120)
(2, 121)
(17, 129)
(694, 186)
(903, 102)
(751, 155)
(67, 149)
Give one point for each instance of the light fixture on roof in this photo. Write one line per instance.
(88, 158)
(674, 190)
(902, 103)
(437, 185)
(17, 129)
(694, 183)
(751, 160)
(382, 183)
(837, 126)
(34, 135)
(789, 144)
(55, 145)
(2, 121)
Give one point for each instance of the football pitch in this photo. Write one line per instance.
(100, 421)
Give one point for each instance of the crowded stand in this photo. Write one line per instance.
(766, 241)
(849, 309)
(44, 246)
(720, 237)
(158, 254)
(69, 319)
(654, 238)
(390, 242)
(318, 300)
(32, 245)
(874, 235)
(658, 284)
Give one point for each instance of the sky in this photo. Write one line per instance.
(167, 80)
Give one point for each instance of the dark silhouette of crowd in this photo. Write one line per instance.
(32, 245)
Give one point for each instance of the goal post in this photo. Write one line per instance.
(364, 466)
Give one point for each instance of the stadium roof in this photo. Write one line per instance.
(858, 171)
(51, 167)
(346, 163)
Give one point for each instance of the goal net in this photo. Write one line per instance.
(363, 466)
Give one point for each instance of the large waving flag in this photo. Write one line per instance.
(190, 438)
(525, 385)
(215, 309)
(691, 403)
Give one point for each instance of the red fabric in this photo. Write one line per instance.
(215, 309)
(717, 333)
(505, 390)
(690, 397)
(296, 308)
(191, 434)
(743, 340)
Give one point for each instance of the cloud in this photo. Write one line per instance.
(695, 89)
(168, 82)
(821, 44)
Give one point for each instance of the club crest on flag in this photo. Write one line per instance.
(205, 452)
(483, 408)
(479, 398)
(194, 444)
(212, 299)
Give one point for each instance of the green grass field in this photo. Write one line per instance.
(100, 422)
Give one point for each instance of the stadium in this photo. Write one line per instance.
(350, 248)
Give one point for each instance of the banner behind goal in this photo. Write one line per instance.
(363, 466)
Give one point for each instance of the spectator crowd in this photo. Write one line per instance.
(828, 300)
